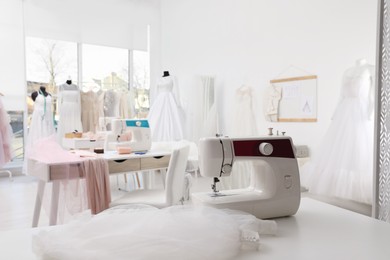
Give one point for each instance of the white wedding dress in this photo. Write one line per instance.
(69, 107)
(164, 115)
(343, 165)
(42, 121)
(244, 126)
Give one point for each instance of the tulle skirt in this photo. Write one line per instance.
(164, 119)
(144, 232)
(42, 125)
(343, 165)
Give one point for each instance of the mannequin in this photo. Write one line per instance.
(69, 109)
(42, 90)
(42, 123)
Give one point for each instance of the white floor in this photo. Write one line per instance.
(17, 199)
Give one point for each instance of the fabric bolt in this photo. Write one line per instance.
(342, 165)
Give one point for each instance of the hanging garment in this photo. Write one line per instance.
(244, 125)
(273, 95)
(204, 109)
(90, 111)
(42, 124)
(69, 108)
(164, 117)
(111, 103)
(342, 164)
(5, 136)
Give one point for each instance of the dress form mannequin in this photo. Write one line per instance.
(164, 115)
(69, 109)
(42, 91)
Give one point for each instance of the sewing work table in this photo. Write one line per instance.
(318, 231)
(117, 163)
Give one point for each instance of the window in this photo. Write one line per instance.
(105, 68)
(141, 82)
(49, 63)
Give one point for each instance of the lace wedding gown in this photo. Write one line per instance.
(69, 110)
(164, 117)
(342, 167)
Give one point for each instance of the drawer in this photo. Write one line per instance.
(66, 171)
(125, 165)
(150, 163)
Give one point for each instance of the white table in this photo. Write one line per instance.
(117, 163)
(318, 231)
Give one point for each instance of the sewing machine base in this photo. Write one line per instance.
(255, 202)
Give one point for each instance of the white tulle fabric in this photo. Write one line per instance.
(164, 115)
(5, 136)
(342, 165)
(143, 232)
(244, 125)
(69, 108)
(42, 124)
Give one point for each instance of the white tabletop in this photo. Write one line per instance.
(318, 231)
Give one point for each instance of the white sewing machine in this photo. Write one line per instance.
(275, 186)
(137, 130)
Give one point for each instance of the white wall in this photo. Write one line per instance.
(253, 41)
(12, 78)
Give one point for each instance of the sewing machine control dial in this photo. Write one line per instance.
(266, 149)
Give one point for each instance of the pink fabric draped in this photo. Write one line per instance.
(84, 180)
(98, 184)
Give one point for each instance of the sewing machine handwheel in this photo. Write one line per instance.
(266, 149)
(227, 168)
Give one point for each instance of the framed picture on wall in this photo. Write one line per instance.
(298, 98)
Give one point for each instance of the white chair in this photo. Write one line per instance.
(172, 193)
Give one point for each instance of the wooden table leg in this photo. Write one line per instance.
(38, 202)
(54, 203)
